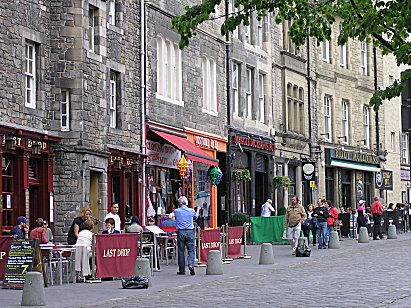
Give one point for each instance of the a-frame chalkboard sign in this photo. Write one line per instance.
(24, 256)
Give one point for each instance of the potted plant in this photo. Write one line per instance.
(281, 182)
(238, 219)
(242, 174)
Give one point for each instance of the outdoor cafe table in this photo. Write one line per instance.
(60, 250)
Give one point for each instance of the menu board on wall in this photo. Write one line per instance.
(19, 262)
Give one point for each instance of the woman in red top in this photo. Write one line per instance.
(39, 233)
(331, 219)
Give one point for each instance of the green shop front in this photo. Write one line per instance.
(350, 176)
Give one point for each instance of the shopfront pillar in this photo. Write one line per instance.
(252, 188)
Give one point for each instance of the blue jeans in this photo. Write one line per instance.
(185, 238)
(322, 234)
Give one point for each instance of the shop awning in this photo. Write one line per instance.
(190, 150)
(356, 166)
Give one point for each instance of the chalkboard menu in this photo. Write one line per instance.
(19, 262)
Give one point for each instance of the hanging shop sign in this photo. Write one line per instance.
(383, 180)
(309, 171)
(162, 155)
(253, 143)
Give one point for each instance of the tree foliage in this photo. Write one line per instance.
(386, 22)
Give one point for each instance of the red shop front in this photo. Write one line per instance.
(124, 182)
(26, 171)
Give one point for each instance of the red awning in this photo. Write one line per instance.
(190, 150)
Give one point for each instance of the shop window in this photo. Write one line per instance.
(241, 196)
(292, 176)
(33, 170)
(329, 183)
(368, 181)
(30, 74)
(8, 200)
(203, 182)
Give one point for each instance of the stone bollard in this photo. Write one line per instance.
(334, 241)
(392, 232)
(363, 236)
(33, 292)
(302, 241)
(266, 254)
(214, 263)
(142, 268)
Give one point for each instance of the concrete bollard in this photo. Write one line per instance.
(33, 291)
(392, 232)
(334, 241)
(214, 263)
(142, 268)
(266, 254)
(363, 236)
(302, 241)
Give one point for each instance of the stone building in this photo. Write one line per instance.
(71, 83)
(350, 133)
(185, 111)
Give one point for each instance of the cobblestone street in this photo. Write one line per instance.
(357, 275)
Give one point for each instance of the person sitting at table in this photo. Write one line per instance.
(85, 236)
(49, 233)
(134, 227)
(110, 227)
(21, 228)
(170, 221)
(77, 225)
(39, 233)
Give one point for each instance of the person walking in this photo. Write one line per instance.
(376, 212)
(185, 235)
(294, 217)
(267, 208)
(114, 214)
(321, 213)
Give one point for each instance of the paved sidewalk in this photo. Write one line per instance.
(357, 275)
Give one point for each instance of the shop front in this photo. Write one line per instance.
(165, 148)
(26, 171)
(124, 183)
(252, 171)
(349, 177)
(206, 195)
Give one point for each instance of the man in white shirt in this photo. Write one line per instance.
(267, 208)
(113, 214)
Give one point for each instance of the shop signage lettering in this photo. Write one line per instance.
(119, 252)
(17, 140)
(235, 241)
(210, 245)
(252, 143)
(28, 143)
(357, 157)
(205, 142)
(42, 144)
(162, 155)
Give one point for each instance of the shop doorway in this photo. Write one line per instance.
(94, 197)
(36, 210)
(261, 193)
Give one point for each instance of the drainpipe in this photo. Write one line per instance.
(229, 209)
(143, 106)
(377, 120)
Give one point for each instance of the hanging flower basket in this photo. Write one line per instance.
(281, 182)
(241, 175)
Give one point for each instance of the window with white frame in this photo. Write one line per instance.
(113, 99)
(326, 51)
(233, 10)
(327, 118)
(91, 28)
(30, 75)
(366, 126)
(65, 111)
(393, 141)
(209, 85)
(260, 32)
(169, 76)
(345, 121)
(249, 92)
(111, 19)
(261, 102)
(404, 148)
(364, 56)
(234, 86)
(343, 52)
